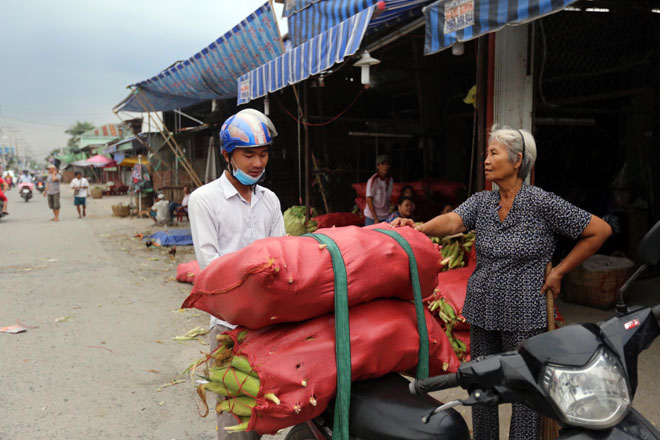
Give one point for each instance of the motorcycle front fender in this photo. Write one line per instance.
(633, 427)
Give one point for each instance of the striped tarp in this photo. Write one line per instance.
(451, 21)
(307, 18)
(212, 72)
(310, 58)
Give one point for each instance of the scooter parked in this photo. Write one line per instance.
(584, 376)
(25, 190)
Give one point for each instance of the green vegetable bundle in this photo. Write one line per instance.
(454, 250)
(294, 221)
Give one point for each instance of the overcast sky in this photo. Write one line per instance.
(71, 60)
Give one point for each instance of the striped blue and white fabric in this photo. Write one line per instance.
(451, 21)
(307, 18)
(310, 58)
(212, 72)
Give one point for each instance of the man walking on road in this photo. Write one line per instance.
(233, 211)
(79, 185)
(53, 191)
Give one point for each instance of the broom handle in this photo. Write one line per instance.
(550, 300)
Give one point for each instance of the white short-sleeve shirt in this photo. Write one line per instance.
(222, 221)
(381, 190)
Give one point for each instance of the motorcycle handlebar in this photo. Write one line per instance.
(436, 383)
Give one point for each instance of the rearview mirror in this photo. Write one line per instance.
(648, 251)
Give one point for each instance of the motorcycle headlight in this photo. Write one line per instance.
(595, 396)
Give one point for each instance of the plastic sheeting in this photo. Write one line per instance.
(212, 72)
(172, 237)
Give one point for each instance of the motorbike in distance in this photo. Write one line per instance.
(25, 190)
(41, 186)
(584, 376)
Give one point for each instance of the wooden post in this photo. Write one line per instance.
(482, 102)
(307, 155)
(549, 427)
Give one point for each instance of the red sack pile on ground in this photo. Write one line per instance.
(338, 219)
(295, 362)
(288, 279)
(187, 272)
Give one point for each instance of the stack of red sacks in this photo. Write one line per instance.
(280, 291)
(430, 195)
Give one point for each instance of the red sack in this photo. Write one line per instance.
(187, 272)
(296, 361)
(288, 279)
(338, 219)
(452, 285)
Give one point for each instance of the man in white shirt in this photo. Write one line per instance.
(159, 211)
(233, 211)
(79, 185)
(379, 190)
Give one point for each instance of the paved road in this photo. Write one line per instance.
(96, 373)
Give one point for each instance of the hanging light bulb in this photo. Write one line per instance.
(364, 62)
(266, 106)
(458, 49)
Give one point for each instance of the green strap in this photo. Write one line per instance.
(423, 356)
(342, 338)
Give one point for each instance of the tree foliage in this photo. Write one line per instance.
(76, 130)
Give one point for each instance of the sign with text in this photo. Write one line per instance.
(459, 14)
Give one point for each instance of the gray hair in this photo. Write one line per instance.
(513, 141)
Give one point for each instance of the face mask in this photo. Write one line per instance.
(245, 178)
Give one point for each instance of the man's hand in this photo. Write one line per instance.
(44, 194)
(553, 282)
(399, 222)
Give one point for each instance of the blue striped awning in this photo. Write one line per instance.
(212, 72)
(451, 21)
(307, 18)
(310, 58)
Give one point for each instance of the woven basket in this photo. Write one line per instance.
(121, 210)
(596, 283)
(96, 192)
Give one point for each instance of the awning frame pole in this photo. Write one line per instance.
(307, 155)
(179, 112)
(174, 146)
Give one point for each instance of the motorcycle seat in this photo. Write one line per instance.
(384, 409)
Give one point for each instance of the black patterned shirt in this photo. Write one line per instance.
(504, 292)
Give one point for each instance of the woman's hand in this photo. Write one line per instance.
(553, 282)
(399, 222)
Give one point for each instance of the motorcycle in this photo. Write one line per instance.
(25, 190)
(41, 186)
(584, 376)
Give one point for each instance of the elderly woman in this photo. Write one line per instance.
(517, 226)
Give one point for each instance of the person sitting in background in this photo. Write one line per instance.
(174, 206)
(408, 191)
(404, 209)
(159, 210)
(447, 208)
